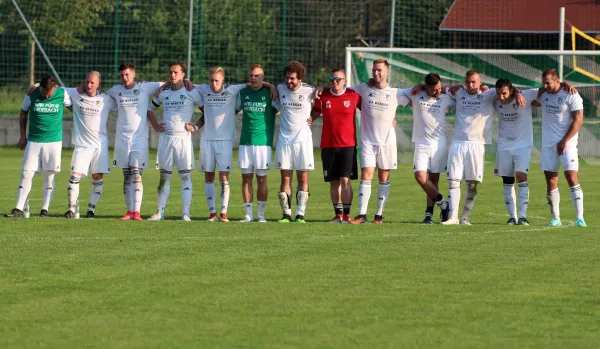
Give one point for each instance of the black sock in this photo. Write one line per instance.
(338, 208)
(429, 211)
(346, 208)
(439, 197)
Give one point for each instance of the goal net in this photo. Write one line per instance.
(408, 67)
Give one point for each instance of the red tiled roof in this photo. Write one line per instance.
(521, 16)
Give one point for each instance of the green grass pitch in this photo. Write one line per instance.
(104, 283)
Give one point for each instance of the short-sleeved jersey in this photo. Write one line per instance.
(132, 107)
(556, 116)
(515, 129)
(339, 114)
(295, 107)
(378, 110)
(429, 116)
(258, 120)
(474, 117)
(219, 112)
(89, 118)
(45, 115)
(178, 109)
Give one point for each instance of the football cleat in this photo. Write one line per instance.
(157, 216)
(451, 221)
(15, 213)
(223, 217)
(580, 222)
(360, 219)
(427, 220)
(378, 219)
(511, 221)
(186, 218)
(464, 221)
(523, 221)
(137, 216)
(299, 219)
(90, 214)
(69, 214)
(345, 219)
(262, 220)
(246, 219)
(444, 213)
(555, 223)
(286, 219)
(336, 219)
(213, 217)
(44, 213)
(128, 216)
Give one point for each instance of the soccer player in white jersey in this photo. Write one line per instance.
(131, 141)
(90, 113)
(43, 143)
(429, 136)
(515, 141)
(216, 148)
(562, 118)
(472, 130)
(294, 148)
(175, 146)
(377, 138)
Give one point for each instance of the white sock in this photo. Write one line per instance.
(49, 184)
(210, 193)
(127, 189)
(577, 198)
(249, 209)
(383, 191)
(163, 190)
(554, 203)
(186, 191)
(95, 193)
(364, 194)
(443, 204)
(262, 205)
(453, 197)
(470, 197)
(523, 199)
(24, 188)
(138, 189)
(301, 199)
(73, 191)
(224, 196)
(509, 200)
(284, 203)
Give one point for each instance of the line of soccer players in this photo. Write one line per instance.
(299, 105)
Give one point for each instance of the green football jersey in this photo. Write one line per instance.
(46, 116)
(258, 122)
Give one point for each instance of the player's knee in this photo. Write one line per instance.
(421, 177)
(97, 176)
(27, 174)
(261, 176)
(472, 186)
(136, 173)
(521, 177)
(74, 179)
(508, 180)
(453, 184)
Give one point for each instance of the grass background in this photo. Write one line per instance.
(104, 283)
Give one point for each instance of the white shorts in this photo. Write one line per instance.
(550, 160)
(174, 151)
(509, 161)
(131, 153)
(432, 158)
(466, 161)
(40, 157)
(215, 153)
(384, 157)
(299, 156)
(86, 159)
(254, 157)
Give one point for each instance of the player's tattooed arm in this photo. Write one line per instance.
(23, 128)
(155, 125)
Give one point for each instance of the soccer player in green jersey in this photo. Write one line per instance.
(43, 144)
(256, 140)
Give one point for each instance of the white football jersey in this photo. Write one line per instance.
(178, 109)
(556, 116)
(219, 111)
(515, 129)
(132, 108)
(378, 110)
(89, 118)
(294, 107)
(474, 116)
(429, 116)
